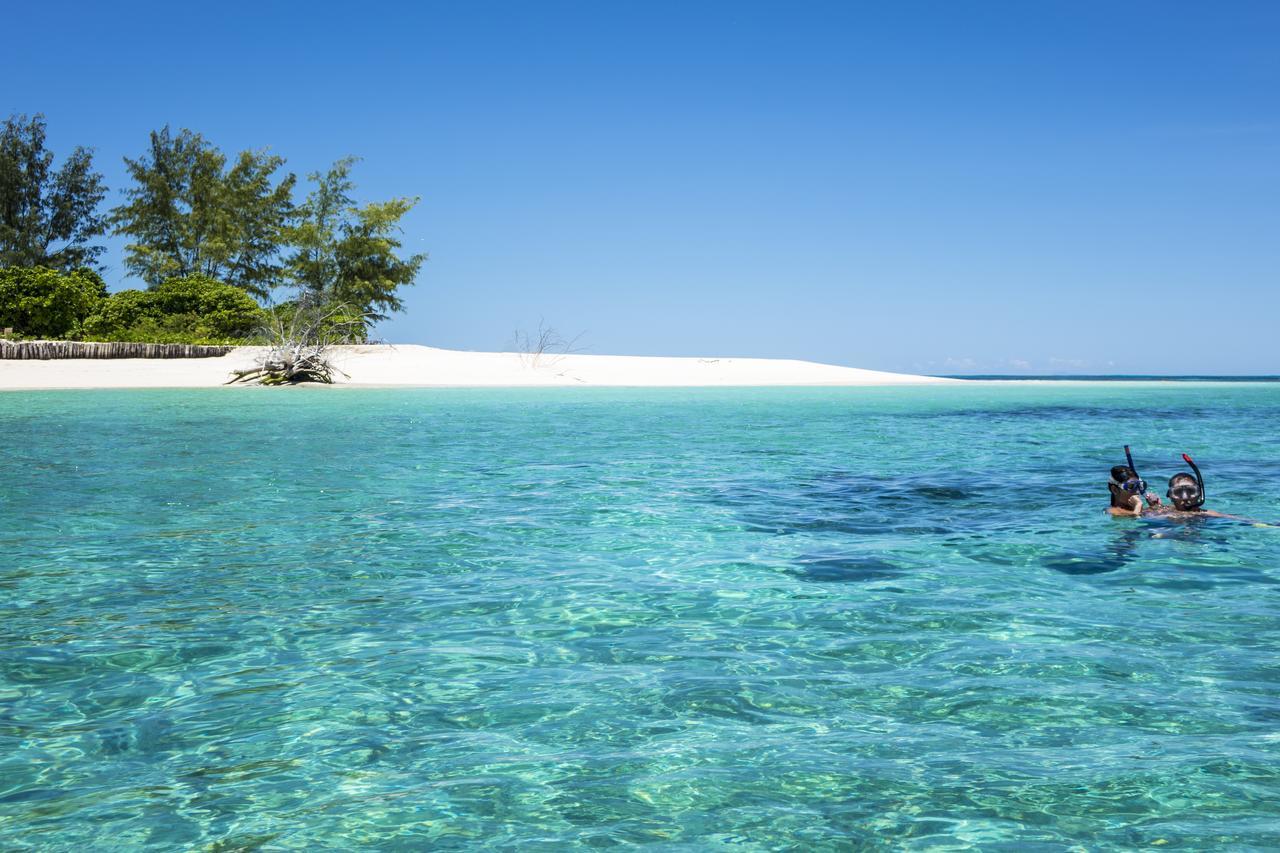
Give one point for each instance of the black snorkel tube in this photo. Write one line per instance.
(1199, 480)
(1129, 458)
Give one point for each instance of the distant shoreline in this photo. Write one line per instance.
(411, 365)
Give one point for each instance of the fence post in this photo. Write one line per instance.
(46, 350)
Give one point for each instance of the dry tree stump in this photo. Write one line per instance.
(301, 347)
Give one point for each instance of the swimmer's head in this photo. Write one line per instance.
(1124, 486)
(1184, 491)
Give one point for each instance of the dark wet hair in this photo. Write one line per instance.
(1120, 473)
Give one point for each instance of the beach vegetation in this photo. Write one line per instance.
(337, 322)
(48, 217)
(545, 347)
(189, 213)
(191, 310)
(214, 238)
(38, 302)
(349, 255)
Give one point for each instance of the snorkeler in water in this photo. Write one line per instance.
(1128, 490)
(1186, 491)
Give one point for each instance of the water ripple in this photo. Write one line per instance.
(787, 618)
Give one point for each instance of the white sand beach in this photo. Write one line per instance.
(413, 365)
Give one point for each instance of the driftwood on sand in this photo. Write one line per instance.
(301, 346)
(288, 365)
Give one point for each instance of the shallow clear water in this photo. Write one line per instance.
(810, 618)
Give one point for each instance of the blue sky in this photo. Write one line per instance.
(1007, 187)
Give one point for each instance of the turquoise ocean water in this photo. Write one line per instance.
(694, 619)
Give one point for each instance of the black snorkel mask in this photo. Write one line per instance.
(1181, 493)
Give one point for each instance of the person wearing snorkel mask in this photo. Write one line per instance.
(1187, 493)
(1128, 491)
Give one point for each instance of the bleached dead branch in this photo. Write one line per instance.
(300, 346)
(545, 348)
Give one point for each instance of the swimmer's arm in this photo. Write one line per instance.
(1213, 513)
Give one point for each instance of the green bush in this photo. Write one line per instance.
(224, 309)
(42, 303)
(190, 310)
(118, 312)
(179, 329)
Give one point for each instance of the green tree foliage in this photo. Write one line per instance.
(47, 217)
(192, 309)
(346, 254)
(37, 302)
(119, 311)
(188, 214)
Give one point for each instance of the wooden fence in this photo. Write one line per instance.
(79, 349)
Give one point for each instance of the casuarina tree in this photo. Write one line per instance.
(347, 254)
(48, 217)
(188, 213)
